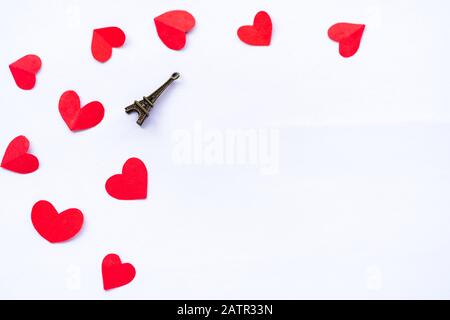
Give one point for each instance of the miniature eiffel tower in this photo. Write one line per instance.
(144, 106)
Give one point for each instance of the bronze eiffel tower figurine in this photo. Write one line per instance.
(144, 106)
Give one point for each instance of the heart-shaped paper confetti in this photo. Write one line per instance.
(77, 117)
(131, 184)
(115, 273)
(24, 71)
(104, 40)
(55, 227)
(17, 158)
(260, 33)
(348, 35)
(172, 27)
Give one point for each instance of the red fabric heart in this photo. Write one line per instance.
(24, 71)
(348, 36)
(260, 33)
(55, 227)
(131, 184)
(115, 273)
(104, 40)
(17, 158)
(172, 27)
(78, 118)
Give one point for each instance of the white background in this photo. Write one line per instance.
(359, 206)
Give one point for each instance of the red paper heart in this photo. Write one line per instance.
(131, 184)
(349, 37)
(55, 227)
(78, 118)
(115, 273)
(260, 33)
(172, 27)
(17, 158)
(104, 40)
(24, 71)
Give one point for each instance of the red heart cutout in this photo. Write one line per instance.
(78, 118)
(260, 33)
(172, 27)
(115, 273)
(131, 184)
(17, 158)
(104, 40)
(349, 37)
(55, 227)
(24, 71)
